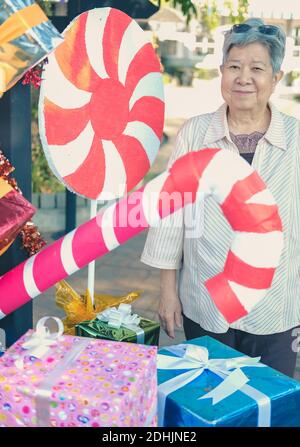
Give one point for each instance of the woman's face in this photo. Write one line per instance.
(247, 78)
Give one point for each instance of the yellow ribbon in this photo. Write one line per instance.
(21, 21)
(80, 308)
(3, 250)
(4, 188)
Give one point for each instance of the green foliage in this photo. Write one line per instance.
(290, 78)
(207, 74)
(209, 11)
(46, 6)
(187, 7)
(294, 75)
(167, 78)
(210, 16)
(242, 10)
(42, 178)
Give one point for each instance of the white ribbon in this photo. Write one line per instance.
(122, 316)
(41, 340)
(44, 392)
(195, 359)
(37, 345)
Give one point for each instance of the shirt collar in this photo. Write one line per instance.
(275, 133)
(218, 128)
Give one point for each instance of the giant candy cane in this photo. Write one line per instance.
(243, 197)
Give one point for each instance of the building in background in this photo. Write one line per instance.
(176, 42)
(185, 48)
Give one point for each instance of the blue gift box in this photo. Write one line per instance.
(269, 398)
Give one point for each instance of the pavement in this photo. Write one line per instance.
(121, 271)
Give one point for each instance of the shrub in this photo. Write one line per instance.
(42, 178)
(206, 74)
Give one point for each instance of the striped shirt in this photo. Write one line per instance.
(173, 245)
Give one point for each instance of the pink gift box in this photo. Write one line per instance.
(78, 382)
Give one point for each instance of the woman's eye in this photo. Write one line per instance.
(234, 67)
(257, 68)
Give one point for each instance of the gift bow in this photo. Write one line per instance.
(37, 345)
(41, 339)
(196, 359)
(122, 316)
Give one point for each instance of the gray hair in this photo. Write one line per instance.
(275, 44)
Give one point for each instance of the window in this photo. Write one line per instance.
(168, 47)
(296, 35)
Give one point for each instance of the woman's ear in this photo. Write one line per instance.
(278, 76)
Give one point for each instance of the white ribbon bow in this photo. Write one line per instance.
(195, 359)
(41, 339)
(121, 316)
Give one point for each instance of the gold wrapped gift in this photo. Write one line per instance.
(80, 308)
(26, 38)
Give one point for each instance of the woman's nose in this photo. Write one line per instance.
(244, 76)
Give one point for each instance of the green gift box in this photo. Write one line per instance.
(120, 325)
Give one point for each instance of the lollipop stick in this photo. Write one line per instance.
(91, 267)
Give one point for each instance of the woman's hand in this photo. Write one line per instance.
(169, 309)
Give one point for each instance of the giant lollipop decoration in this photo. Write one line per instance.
(101, 105)
(101, 108)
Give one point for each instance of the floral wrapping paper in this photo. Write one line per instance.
(107, 384)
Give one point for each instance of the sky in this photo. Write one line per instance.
(267, 8)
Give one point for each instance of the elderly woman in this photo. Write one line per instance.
(248, 124)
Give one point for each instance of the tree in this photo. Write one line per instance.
(210, 16)
(187, 7)
(208, 10)
(46, 6)
(239, 15)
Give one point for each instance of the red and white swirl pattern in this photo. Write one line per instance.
(101, 108)
(246, 203)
